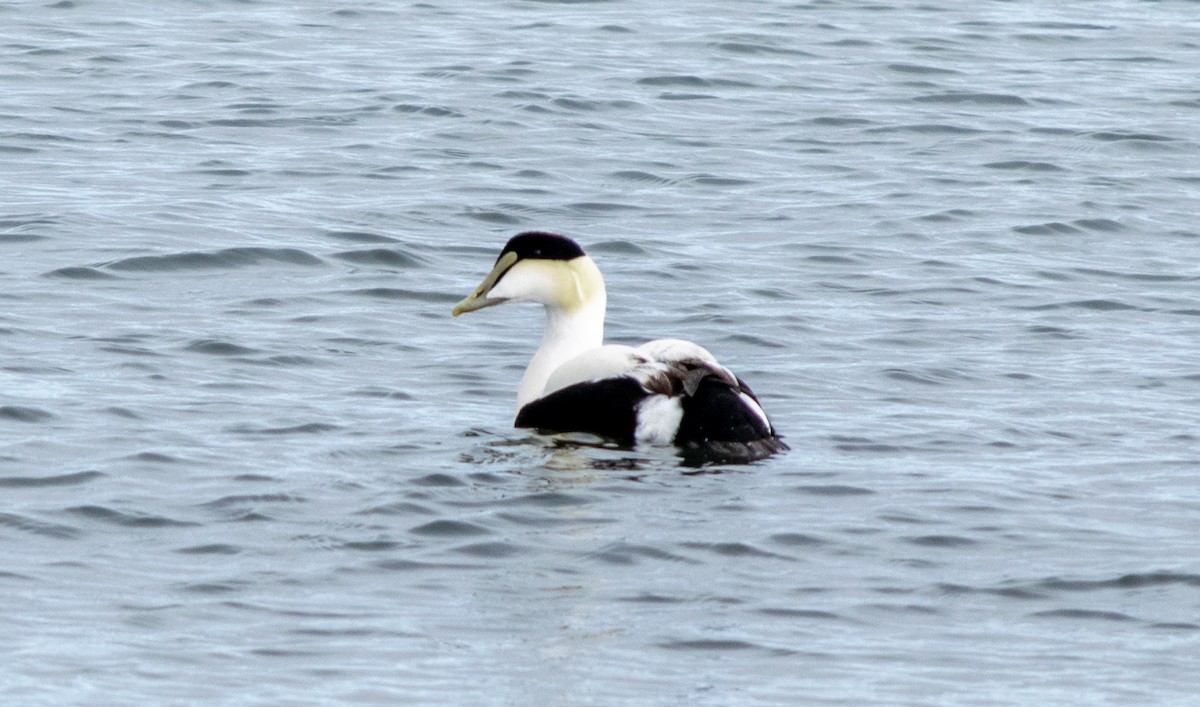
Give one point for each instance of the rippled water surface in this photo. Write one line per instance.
(246, 456)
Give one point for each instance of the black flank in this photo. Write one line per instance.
(717, 414)
(605, 407)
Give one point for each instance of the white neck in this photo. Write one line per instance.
(568, 334)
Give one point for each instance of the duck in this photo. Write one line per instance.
(666, 392)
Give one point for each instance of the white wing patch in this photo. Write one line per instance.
(658, 418)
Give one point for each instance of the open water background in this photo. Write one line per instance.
(247, 457)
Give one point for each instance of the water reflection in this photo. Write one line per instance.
(578, 452)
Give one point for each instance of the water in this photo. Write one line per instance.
(247, 457)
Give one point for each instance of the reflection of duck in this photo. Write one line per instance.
(666, 391)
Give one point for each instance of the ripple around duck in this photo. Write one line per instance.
(1010, 592)
(1134, 276)
(941, 541)
(253, 500)
(1118, 136)
(370, 545)
(212, 588)
(618, 247)
(438, 480)
(652, 598)
(982, 99)
(492, 216)
(1062, 589)
(722, 645)
(213, 549)
(433, 111)
(221, 259)
(80, 273)
(307, 428)
(921, 69)
(24, 413)
(38, 527)
(865, 444)
(729, 549)
(398, 508)
(1025, 165)
(417, 565)
(755, 49)
(1095, 305)
(1053, 332)
(1085, 614)
(1126, 581)
(631, 554)
(638, 176)
(603, 207)
(450, 529)
(18, 150)
(74, 479)
(1078, 226)
(216, 347)
(360, 237)
(927, 129)
(806, 614)
(578, 105)
(397, 293)
(682, 80)
(549, 499)
(834, 490)
(129, 520)
(933, 376)
(382, 257)
(494, 550)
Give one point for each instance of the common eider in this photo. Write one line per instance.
(664, 392)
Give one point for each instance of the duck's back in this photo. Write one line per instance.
(689, 404)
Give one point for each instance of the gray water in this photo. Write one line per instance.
(247, 457)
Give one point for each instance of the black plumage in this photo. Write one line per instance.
(542, 246)
(716, 412)
(605, 407)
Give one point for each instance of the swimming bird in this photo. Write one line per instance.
(664, 392)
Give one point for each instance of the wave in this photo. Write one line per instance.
(73, 479)
(214, 260)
